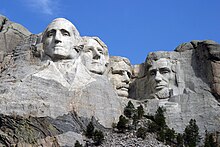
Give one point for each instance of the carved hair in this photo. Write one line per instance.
(115, 59)
(86, 39)
(75, 31)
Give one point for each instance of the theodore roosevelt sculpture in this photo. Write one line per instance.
(94, 55)
(120, 74)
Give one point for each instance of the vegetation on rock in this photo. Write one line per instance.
(129, 110)
(77, 144)
(89, 130)
(191, 134)
(122, 124)
(98, 137)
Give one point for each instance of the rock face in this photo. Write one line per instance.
(53, 84)
(11, 34)
(195, 91)
(120, 75)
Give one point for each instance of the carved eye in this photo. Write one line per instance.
(65, 33)
(164, 71)
(100, 51)
(89, 49)
(152, 73)
(50, 33)
(119, 72)
(129, 74)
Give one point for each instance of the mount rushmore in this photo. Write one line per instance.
(60, 80)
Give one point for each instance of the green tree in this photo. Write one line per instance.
(207, 143)
(98, 137)
(129, 110)
(160, 118)
(122, 124)
(77, 144)
(135, 121)
(191, 134)
(209, 140)
(161, 135)
(90, 130)
(141, 132)
(153, 127)
(179, 140)
(140, 111)
(169, 135)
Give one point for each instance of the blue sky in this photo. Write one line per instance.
(130, 28)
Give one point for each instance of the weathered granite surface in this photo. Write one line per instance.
(11, 34)
(50, 95)
(196, 79)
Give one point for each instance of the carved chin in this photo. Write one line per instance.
(61, 53)
(163, 93)
(122, 93)
(97, 69)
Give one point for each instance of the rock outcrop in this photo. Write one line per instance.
(195, 95)
(53, 84)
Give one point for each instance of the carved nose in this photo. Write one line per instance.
(58, 37)
(96, 54)
(158, 77)
(126, 78)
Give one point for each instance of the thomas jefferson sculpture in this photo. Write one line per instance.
(94, 55)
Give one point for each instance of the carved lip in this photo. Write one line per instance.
(160, 86)
(95, 62)
(58, 46)
(123, 87)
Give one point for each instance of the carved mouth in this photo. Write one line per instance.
(95, 62)
(157, 87)
(123, 87)
(58, 46)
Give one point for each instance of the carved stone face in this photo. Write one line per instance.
(161, 78)
(120, 75)
(59, 39)
(93, 57)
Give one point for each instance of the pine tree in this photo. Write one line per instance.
(141, 132)
(207, 143)
(135, 121)
(129, 110)
(160, 118)
(140, 111)
(153, 127)
(191, 134)
(77, 144)
(161, 135)
(122, 124)
(90, 130)
(209, 140)
(98, 137)
(169, 135)
(179, 140)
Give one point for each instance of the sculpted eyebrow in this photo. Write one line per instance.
(50, 31)
(86, 48)
(165, 68)
(65, 31)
